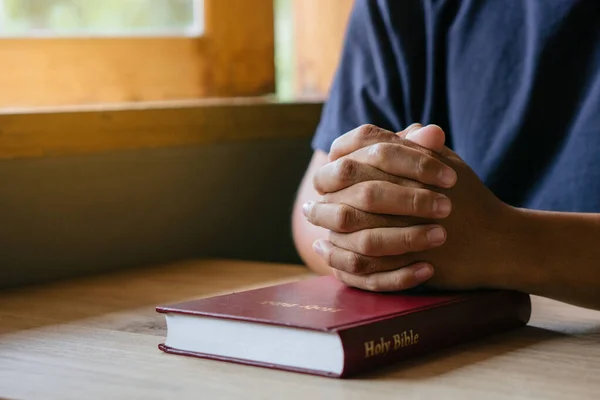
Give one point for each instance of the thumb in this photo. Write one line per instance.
(431, 137)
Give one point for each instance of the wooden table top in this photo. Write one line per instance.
(97, 338)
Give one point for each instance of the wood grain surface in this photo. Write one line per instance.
(97, 338)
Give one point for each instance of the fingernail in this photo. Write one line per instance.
(436, 235)
(442, 206)
(318, 247)
(306, 208)
(447, 177)
(413, 127)
(413, 133)
(423, 273)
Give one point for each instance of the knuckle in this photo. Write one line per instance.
(419, 201)
(400, 282)
(371, 283)
(354, 263)
(379, 152)
(364, 242)
(344, 218)
(369, 194)
(407, 240)
(345, 169)
(369, 243)
(367, 131)
(425, 165)
(376, 243)
(407, 143)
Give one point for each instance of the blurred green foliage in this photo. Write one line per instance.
(284, 49)
(22, 17)
(123, 17)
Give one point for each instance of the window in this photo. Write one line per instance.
(53, 18)
(89, 53)
(65, 52)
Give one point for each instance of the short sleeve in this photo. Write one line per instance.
(373, 77)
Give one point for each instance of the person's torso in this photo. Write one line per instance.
(516, 84)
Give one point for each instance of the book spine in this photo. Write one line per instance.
(385, 342)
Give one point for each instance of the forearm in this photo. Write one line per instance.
(556, 255)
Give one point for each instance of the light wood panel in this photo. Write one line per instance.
(83, 130)
(242, 51)
(98, 337)
(235, 57)
(319, 28)
(39, 72)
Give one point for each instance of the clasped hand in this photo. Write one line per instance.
(402, 209)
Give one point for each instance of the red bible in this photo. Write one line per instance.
(320, 326)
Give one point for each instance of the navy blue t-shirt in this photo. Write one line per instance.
(514, 84)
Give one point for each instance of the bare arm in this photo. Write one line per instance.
(557, 256)
(489, 243)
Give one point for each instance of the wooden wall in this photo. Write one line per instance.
(112, 187)
(235, 57)
(187, 188)
(319, 28)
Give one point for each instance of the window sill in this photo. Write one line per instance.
(98, 128)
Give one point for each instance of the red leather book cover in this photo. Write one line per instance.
(375, 329)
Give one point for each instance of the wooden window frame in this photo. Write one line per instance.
(233, 57)
(94, 95)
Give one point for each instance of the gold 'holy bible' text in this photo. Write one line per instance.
(397, 341)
